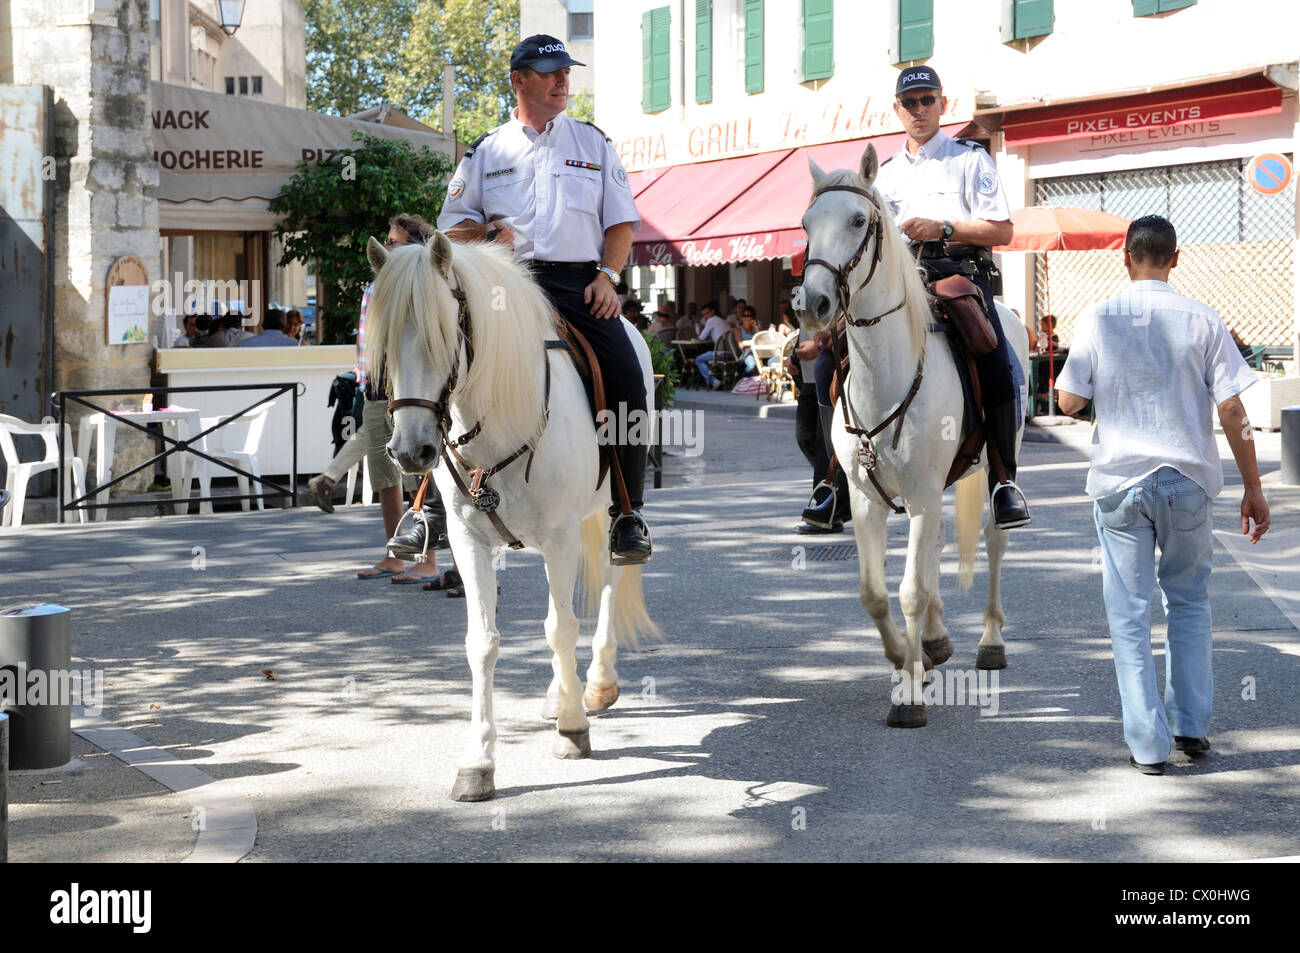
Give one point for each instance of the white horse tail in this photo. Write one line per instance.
(631, 619)
(970, 515)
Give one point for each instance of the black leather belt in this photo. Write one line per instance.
(561, 267)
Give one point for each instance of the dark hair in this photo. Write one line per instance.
(711, 304)
(1151, 240)
(632, 306)
(748, 312)
(274, 320)
(418, 231)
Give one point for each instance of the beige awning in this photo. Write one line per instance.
(236, 152)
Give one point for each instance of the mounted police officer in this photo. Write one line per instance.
(947, 199)
(553, 189)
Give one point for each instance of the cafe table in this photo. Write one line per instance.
(179, 423)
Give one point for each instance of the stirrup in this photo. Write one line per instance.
(822, 514)
(1019, 502)
(417, 519)
(629, 559)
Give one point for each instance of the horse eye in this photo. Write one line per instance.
(859, 221)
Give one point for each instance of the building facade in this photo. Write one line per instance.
(1130, 106)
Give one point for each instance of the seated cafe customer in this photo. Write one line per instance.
(272, 332)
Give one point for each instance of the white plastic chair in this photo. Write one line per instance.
(367, 491)
(17, 473)
(766, 345)
(244, 457)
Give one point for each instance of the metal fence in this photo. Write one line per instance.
(1237, 247)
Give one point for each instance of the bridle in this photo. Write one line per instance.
(866, 452)
(875, 229)
(483, 497)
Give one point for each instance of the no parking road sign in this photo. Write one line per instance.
(1269, 173)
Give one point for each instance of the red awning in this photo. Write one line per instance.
(1246, 96)
(743, 209)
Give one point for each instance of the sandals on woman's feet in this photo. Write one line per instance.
(450, 583)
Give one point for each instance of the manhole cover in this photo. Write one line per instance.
(835, 552)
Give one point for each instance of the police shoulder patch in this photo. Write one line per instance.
(987, 183)
(475, 144)
(597, 128)
(970, 143)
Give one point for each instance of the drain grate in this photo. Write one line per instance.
(818, 553)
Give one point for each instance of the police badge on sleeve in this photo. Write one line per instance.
(456, 187)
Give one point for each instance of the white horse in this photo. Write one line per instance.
(470, 325)
(864, 260)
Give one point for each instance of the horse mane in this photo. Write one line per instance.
(510, 318)
(897, 263)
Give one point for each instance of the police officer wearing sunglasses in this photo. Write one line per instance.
(947, 199)
(553, 189)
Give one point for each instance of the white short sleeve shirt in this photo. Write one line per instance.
(947, 180)
(1155, 363)
(559, 189)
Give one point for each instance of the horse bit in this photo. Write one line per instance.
(866, 452)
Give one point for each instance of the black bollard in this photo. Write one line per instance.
(4, 788)
(1291, 446)
(34, 645)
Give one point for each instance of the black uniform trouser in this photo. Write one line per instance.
(807, 432)
(620, 370)
(994, 368)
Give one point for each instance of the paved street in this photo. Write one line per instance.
(755, 730)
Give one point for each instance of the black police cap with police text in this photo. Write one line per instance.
(917, 77)
(542, 53)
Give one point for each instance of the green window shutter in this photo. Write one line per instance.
(818, 47)
(1144, 8)
(915, 29)
(753, 46)
(655, 92)
(1033, 18)
(703, 51)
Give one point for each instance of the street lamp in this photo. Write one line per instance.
(232, 11)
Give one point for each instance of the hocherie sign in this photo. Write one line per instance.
(731, 135)
(720, 251)
(254, 147)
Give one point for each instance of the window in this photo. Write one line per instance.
(818, 48)
(703, 51)
(1145, 8)
(257, 86)
(1025, 19)
(655, 93)
(580, 26)
(753, 46)
(243, 85)
(155, 39)
(915, 30)
(230, 85)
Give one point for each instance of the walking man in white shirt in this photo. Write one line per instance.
(1153, 361)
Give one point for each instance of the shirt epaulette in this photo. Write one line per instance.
(597, 128)
(475, 144)
(970, 143)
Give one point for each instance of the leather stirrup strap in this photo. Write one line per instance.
(418, 502)
(608, 458)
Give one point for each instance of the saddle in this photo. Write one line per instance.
(958, 306)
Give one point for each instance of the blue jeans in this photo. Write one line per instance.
(1168, 510)
(702, 364)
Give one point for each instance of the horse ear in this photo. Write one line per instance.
(816, 171)
(440, 253)
(376, 254)
(870, 164)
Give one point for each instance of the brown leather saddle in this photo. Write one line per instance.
(958, 306)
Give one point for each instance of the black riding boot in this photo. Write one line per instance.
(1009, 506)
(629, 536)
(414, 543)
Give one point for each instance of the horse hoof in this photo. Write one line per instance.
(991, 657)
(599, 699)
(927, 661)
(939, 651)
(473, 784)
(572, 745)
(551, 707)
(906, 716)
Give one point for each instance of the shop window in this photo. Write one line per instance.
(1026, 19)
(703, 51)
(1145, 8)
(753, 46)
(914, 37)
(243, 85)
(818, 45)
(230, 85)
(257, 85)
(656, 95)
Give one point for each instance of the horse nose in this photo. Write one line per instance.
(419, 461)
(821, 306)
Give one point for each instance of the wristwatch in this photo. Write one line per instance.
(609, 273)
(947, 230)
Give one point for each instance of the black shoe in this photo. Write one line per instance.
(629, 540)
(809, 529)
(820, 511)
(1009, 507)
(413, 544)
(1157, 768)
(1193, 747)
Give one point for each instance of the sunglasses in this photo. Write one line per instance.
(911, 101)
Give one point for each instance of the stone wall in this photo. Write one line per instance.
(98, 66)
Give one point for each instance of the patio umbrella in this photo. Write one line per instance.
(1054, 228)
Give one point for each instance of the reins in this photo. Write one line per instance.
(866, 451)
(484, 498)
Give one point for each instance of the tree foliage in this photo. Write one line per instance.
(361, 53)
(329, 209)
